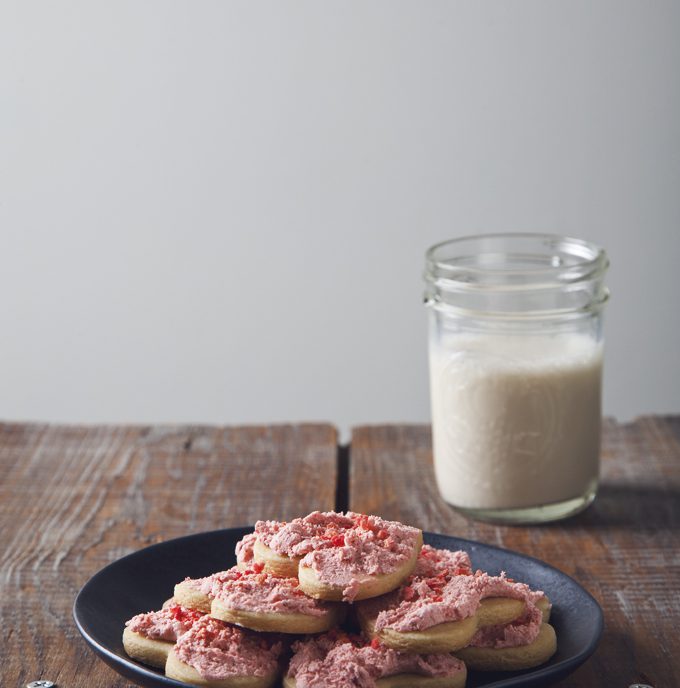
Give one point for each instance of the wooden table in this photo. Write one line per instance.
(73, 499)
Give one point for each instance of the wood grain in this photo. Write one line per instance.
(625, 549)
(73, 499)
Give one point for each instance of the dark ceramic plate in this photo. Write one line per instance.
(142, 581)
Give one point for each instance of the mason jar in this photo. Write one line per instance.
(516, 353)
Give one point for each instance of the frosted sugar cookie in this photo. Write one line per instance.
(522, 644)
(335, 660)
(245, 551)
(213, 653)
(442, 605)
(339, 556)
(278, 564)
(261, 601)
(194, 593)
(149, 637)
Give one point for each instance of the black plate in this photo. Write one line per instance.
(143, 580)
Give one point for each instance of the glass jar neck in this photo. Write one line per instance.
(516, 277)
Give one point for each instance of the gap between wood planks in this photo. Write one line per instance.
(342, 484)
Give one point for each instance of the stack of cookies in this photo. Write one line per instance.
(333, 600)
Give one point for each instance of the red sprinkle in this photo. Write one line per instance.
(364, 521)
(181, 614)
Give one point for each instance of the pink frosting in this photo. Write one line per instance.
(303, 535)
(522, 631)
(254, 590)
(244, 549)
(218, 651)
(341, 548)
(205, 585)
(202, 585)
(335, 660)
(167, 624)
(432, 562)
(451, 594)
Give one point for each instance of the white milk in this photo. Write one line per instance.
(516, 419)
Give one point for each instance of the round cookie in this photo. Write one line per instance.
(495, 611)
(194, 593)
(512, 658)
(339, 556)
(145, 650)
(448, 636)
(278, 564)
(149, 637)
(260, 601)
(215, 654)
(344, 660)
(180, 671)
(443, 605)
(273, 622)
(365, 585)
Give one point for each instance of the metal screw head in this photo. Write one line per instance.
(40, 684)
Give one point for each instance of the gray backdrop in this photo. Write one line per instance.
(216, 211)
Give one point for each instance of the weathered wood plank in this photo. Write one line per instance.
(625, 549)
(73, 499)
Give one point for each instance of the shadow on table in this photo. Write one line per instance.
(638, 507)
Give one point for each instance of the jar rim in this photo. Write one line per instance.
(516, 277)
(588, 260)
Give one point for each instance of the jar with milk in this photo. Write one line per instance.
(515, 348)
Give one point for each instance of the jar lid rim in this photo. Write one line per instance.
(591, 259)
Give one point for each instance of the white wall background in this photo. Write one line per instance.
(217, 211)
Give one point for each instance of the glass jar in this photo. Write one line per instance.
(515, 348)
